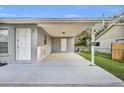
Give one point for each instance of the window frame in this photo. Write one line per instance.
(45, 39)
(5, 28)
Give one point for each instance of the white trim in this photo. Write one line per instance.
(47, 20)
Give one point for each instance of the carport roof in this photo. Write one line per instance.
(57, 27)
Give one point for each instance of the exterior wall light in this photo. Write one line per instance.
(63, 32)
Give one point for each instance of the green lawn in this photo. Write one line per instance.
(104, 60)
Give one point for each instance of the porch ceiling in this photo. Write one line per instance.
(65, 29)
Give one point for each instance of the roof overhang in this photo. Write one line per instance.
(58, 27)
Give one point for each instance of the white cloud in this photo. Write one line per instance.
(14, 15)
(30, 16)
(7, 15)
(72, 15)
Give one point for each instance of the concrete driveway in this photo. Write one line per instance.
(59, 69)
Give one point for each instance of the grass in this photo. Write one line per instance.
(103, 60)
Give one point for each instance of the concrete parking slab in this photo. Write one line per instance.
(58, 69)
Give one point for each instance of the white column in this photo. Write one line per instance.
(92, 47)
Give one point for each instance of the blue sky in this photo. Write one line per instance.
(59, 11)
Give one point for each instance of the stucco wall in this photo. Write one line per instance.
(56, 44)
(42, 49)
(70, 45)
(11, 55)
(113, 34)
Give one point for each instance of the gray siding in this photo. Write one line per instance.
(113, 34)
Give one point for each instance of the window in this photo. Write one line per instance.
(3, 40)
(45, 40)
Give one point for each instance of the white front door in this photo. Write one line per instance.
(63, 44)
(23, 44)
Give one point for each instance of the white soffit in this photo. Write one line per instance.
(65, 29)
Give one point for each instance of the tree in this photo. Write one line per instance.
(83, 39)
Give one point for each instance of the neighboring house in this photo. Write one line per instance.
(114, 34)
(31, 40)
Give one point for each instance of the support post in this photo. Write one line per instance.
(103, 21)
(92, 47)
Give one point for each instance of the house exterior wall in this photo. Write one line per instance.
(11, 45)
(56, 44)
(112, 35)
(39, 50)
(33, 28)
(43, 49)
(70, 45)
(10, 57)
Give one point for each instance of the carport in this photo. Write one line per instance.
(31, 40)
(64, 31)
